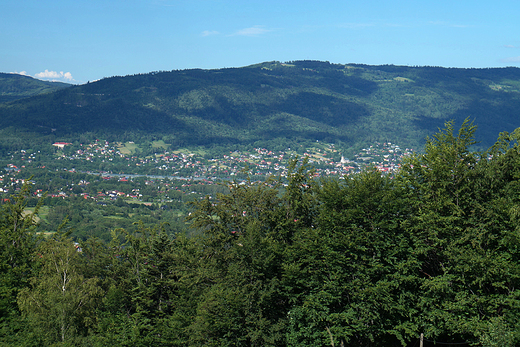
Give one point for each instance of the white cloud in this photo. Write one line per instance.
(55, 75)
(253, 31)
(23, 73)
(209, 33)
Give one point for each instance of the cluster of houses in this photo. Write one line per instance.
(260, 161)
(185, 165)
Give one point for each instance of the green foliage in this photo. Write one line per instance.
(459, 229)
(241, 293)
(60, 302)
(275, 102)
(14, 86)
(366, 260)
(18, 241)
(350, 287)
(498, 333)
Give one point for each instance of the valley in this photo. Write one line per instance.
(119, 179)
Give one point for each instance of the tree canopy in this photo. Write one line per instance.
(366, 260)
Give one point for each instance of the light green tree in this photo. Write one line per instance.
(60, 302)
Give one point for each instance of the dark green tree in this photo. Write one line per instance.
(140, 288)
(244, 234)
(346, 274)
(241, 300)
(464, 234)
(18, 241)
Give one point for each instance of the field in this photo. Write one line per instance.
(128, 148)
(160, 144)
(42, 213)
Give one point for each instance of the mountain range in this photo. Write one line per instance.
(16, 86)
(350, 104)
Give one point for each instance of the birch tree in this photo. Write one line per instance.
(60, 302)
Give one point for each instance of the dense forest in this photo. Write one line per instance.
(363, 260)
(351, 105)
(14, 86)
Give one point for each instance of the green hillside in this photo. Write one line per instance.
(14, 87)
(273, 101)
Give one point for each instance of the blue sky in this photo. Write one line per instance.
(84, 40)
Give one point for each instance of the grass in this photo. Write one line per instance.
(402, 79)
(42, 214)
(513, 83)
(160, 144)
(47, 233)
(200, 151)
(132, 201)
(506, 86)
(114, 217)
(128, 148)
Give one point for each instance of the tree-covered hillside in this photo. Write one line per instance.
(349, 104)
(14, 87)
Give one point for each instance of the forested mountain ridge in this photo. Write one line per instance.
(15, 86)
(352, 104)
